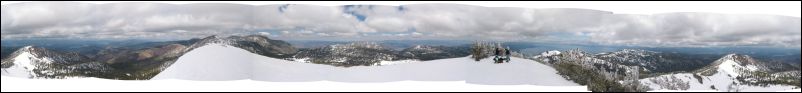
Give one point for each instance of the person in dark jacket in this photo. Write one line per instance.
(507, 51)
(497, 52)
(495, 57)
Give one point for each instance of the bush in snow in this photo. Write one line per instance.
(671, 83)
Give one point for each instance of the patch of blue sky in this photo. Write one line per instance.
(282, 8)
(401, 8)
(350, 9)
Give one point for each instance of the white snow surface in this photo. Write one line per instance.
(221, 62)
(21, 68)
(721, 80)
(387, 63)
(682, 91)
(211, 62)
(13, 84)
(24, 64)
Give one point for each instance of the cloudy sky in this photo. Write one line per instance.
(163, 21)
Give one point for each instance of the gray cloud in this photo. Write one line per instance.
(700, 29)
(379, 22)
(122, 20)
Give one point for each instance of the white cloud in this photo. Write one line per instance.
(123, 20)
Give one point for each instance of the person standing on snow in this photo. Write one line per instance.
(496, 55)
(507, 51)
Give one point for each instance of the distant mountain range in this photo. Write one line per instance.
(622, 70)
(144, 60)
(733, 73)
(641, 70)
(134, 62)
(372, 53)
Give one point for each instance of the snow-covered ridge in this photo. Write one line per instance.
(730, 67)
(211, 40)
(717, 82)
(428, 49)
(258, 44)
(629, 54)
(221, 62)
(374, 54)
(213, 61)
(23, 63)
(719, 76)
(743, 62)
(733, 64)
(40, 63)
(370, 45)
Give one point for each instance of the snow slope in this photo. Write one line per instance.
(12, 84)
(24, 64)
(211, 62)
(720, 81)
(727, 70)
(220, 62)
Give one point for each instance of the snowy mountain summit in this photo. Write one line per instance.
(36, 62)
(254, 43)
(733, 65)
(24, 62)
(733, 72)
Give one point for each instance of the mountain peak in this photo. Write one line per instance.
(418, 46)
(33, 62)
(731, 56)
(256, 38)
(27, 47)
(211, 37)
(30, 49)
(740, 59)
(732, 64)
(254, 43)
